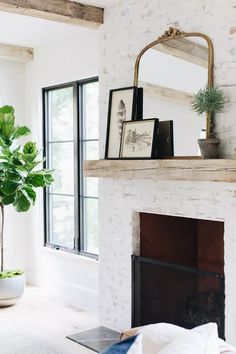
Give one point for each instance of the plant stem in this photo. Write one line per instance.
(1, 236)
(208, 125)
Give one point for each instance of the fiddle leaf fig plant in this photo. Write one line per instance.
(19, 177)
(208, 100)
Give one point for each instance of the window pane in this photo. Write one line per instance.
(91, 225)
(62, 160)
(61, 114)
(91, 187)
(91, 110)
(91, 150)
(62, 221)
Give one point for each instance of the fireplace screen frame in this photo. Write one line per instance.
(137, 261)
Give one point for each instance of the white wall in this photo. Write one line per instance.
(71, 277)
(12, 92)
(129, 26)
(184, 120)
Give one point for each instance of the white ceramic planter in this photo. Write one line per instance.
(11, 289)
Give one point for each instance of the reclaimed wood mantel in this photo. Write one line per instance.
(217, 170)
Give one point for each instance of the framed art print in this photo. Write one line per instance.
(122, 107)
(139, 139)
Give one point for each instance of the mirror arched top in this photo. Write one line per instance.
(172, 34)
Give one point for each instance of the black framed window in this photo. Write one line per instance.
(71, 136)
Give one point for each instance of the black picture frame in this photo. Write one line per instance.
(114, 128)
(139, 115)
(153, 136)
(165, 141)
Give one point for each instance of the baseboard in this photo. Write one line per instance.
(68, 293)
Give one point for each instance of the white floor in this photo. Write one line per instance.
(39, 324)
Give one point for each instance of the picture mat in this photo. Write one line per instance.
(144, 132)
(127, 97)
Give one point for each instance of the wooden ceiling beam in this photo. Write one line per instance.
(166, 93)
(56, 10)
(185, 49)
(16, 53)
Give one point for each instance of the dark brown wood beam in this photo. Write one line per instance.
(56, 10)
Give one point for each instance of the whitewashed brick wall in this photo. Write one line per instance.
(128, 27)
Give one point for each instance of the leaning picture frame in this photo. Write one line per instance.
(165, 140)
(122, 107)
(139, 139)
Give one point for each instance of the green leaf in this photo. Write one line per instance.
(7, 124)
(31, 165)
(7, 200)
(40, 178)
(20, 132)
(30, 194)
(6, 152)
(6, 109)
(10, 274)
(9, 188)
(21, 168)
(16, 161)
(4, 165)
(21, 202)
(13, 176)
(30, 148)
(30, 152)
(36, 180)
(48, 179)
(2, 141)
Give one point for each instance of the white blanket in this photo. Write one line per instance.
(164, 338)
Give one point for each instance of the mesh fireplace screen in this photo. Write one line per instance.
(165, 292)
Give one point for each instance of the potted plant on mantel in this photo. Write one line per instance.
(18, 181)
(209, 101)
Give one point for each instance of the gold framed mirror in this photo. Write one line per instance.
(173, 68)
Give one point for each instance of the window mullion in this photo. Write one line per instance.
(45, 165)
(81, 158)
(76, 166)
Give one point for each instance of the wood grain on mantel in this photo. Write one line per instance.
(218, 170)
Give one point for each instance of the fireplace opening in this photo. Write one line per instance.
(179, 276)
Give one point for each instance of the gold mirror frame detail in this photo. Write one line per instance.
(174, 33)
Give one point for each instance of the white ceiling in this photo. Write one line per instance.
(34, 32)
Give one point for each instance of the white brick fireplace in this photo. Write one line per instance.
(120, 234)
(128, 27)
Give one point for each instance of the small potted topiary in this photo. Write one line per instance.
(209, 100)
(18, 181)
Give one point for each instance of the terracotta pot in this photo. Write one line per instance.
(209, 148)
